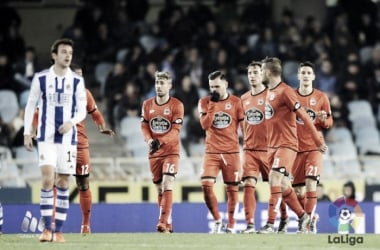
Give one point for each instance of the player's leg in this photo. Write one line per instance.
(170, 168)
(66, 166)
(82, 178)
(314, 165)
(231, 177)
(250, 173)
(47, 158)
(210, 170)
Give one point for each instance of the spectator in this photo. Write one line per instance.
(326, 78)
(130, 102)
(321, 195)
(188, 94)
(26, 67)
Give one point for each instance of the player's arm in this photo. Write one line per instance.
(241, 116)
(145, 124)
(34, 124)
(324, 117)
(96, 115)
(34, 95)
(206, 112)
(317, 137)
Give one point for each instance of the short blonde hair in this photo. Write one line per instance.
(163, 75)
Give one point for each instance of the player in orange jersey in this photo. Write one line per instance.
(282, 107)
(220, 116)
(309, 162)
(255, 141)
(83, 163)
(161, 121)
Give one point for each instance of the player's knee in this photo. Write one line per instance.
(167, 182)
(232, 188)
(300, 191)
(82, 183)
(249, 181)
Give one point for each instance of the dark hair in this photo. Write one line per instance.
(254, 63)
(216, 74)
(306, 64)
(351, 185)
(65, 41)
(273, 64)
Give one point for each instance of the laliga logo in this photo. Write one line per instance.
(346, 216)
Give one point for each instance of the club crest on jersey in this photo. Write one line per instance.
(221, 120)
(311, 114)
(272, 96)
(260, 101)
(269, 112)
(166, 111)
(228, 106)
(313, 101)
(159, 125)
(254, 116)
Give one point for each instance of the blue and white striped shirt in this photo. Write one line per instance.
(59, 99)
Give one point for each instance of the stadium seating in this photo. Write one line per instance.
(9, 172)
(102, 70)
(9, 106)
(28, 163)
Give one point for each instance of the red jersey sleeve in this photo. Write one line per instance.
(93, 110)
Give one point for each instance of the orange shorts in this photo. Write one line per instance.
(163, 165)
(229, 164)
(282, 157)
(307, 164)
(256, 162)
(83, 162)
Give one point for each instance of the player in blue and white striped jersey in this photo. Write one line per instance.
(60, 96)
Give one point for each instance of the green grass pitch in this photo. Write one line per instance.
(137, 241)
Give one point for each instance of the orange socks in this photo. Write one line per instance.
(232, 200)
(211, 202)
(85, 205)
(249, 203)
(311, 202)
(290, 198)
(166, 205)
(274, 203)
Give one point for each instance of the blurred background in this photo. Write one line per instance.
(120, 44)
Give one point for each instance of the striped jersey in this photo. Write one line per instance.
(59, 99)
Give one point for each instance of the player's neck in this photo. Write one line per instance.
(273, 82)
(305, 90)
(60, 71)
(257, 89)
(162, 99)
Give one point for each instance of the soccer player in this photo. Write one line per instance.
(255, 141)
(83, 166)
(281, 108)
(61, 98)
(161, 121)
(309, 161)
(221, 115)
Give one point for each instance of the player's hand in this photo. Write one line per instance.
(322, 116)
(154, 146)
(65, 127)
(214, 96)
(28, 142)
(323, 149)
(106, 131)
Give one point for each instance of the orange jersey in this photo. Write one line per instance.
(221, 121)
(96, 116)
(280, 117)
(255, 131)
(313, 103)
(163, 122)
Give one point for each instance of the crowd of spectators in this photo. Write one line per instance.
(192, 41)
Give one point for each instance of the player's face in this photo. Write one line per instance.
(255, 76)
(218, 85)
(63, 56)
(162, 87)
(306, 76)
